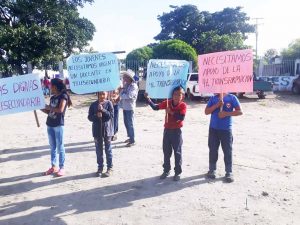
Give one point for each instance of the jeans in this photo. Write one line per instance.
(116, 118)
(46, 91)
(215, 138)
(172, 140)
(56, 141)
(99, 152)
(128, 121)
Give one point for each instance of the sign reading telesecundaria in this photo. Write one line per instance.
(20, 94)
(89, 73)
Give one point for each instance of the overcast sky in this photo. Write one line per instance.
(130, 24)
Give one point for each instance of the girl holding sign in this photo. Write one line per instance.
(55, 125)
(172, 140)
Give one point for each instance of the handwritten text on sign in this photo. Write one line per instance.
(94, 72)
(163, 75)
(230, 71)
(20, 94)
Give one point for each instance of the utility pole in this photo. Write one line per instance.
(256, 34)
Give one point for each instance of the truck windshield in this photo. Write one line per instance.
(194, 77)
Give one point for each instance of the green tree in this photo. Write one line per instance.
(175, 49)
(138, 58)
(292, 51)
(41, 31)
(211, 41)
(140, 54)
(226, 30)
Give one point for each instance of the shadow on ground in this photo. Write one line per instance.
(98, 199)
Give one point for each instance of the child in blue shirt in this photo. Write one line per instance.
(220, 131)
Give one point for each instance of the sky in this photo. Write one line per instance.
(130, 24)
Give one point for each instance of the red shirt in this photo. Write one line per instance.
(171, 122)
(46, 83)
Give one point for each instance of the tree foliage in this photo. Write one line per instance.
(269, 54)
(292, 51)
(138, 58)
(40, 31)
(175, 49)
(140, 54)
(170, 49)
(206, 32)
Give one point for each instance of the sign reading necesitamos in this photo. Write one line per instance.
(20, 94)
(229, 71)
(163, 75)
(89, 73)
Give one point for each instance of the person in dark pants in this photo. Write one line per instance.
(220, 131)
(101, 113)
(172, 139)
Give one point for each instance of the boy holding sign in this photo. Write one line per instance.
(220, 131)
(101, 113)
(172, 139)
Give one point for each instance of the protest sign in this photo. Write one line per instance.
(222, 72)
(20, 94)
(89, 73)
(163, 75)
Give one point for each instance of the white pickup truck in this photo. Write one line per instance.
(192, 88)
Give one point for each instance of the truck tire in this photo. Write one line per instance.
(240, 94)
(190, 96)
(295, 89)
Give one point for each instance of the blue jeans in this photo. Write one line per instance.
(116, 118)
(56, 141)
(215, 138)
(128, 121)
(99, 152)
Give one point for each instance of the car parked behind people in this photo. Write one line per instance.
(296, 85)
(192, 88)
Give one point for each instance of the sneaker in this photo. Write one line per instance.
(51, 171)
(164, 175)
(99, 173)
(127, 141)
(60, 173)
(229, 177)
(108, 173)
(176, 177)
(130, 144)
(211, 174)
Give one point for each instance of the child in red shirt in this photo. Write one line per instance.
(172, 139)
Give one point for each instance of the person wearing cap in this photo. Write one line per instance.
(128, 96)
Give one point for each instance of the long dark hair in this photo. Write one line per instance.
(61, 88)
